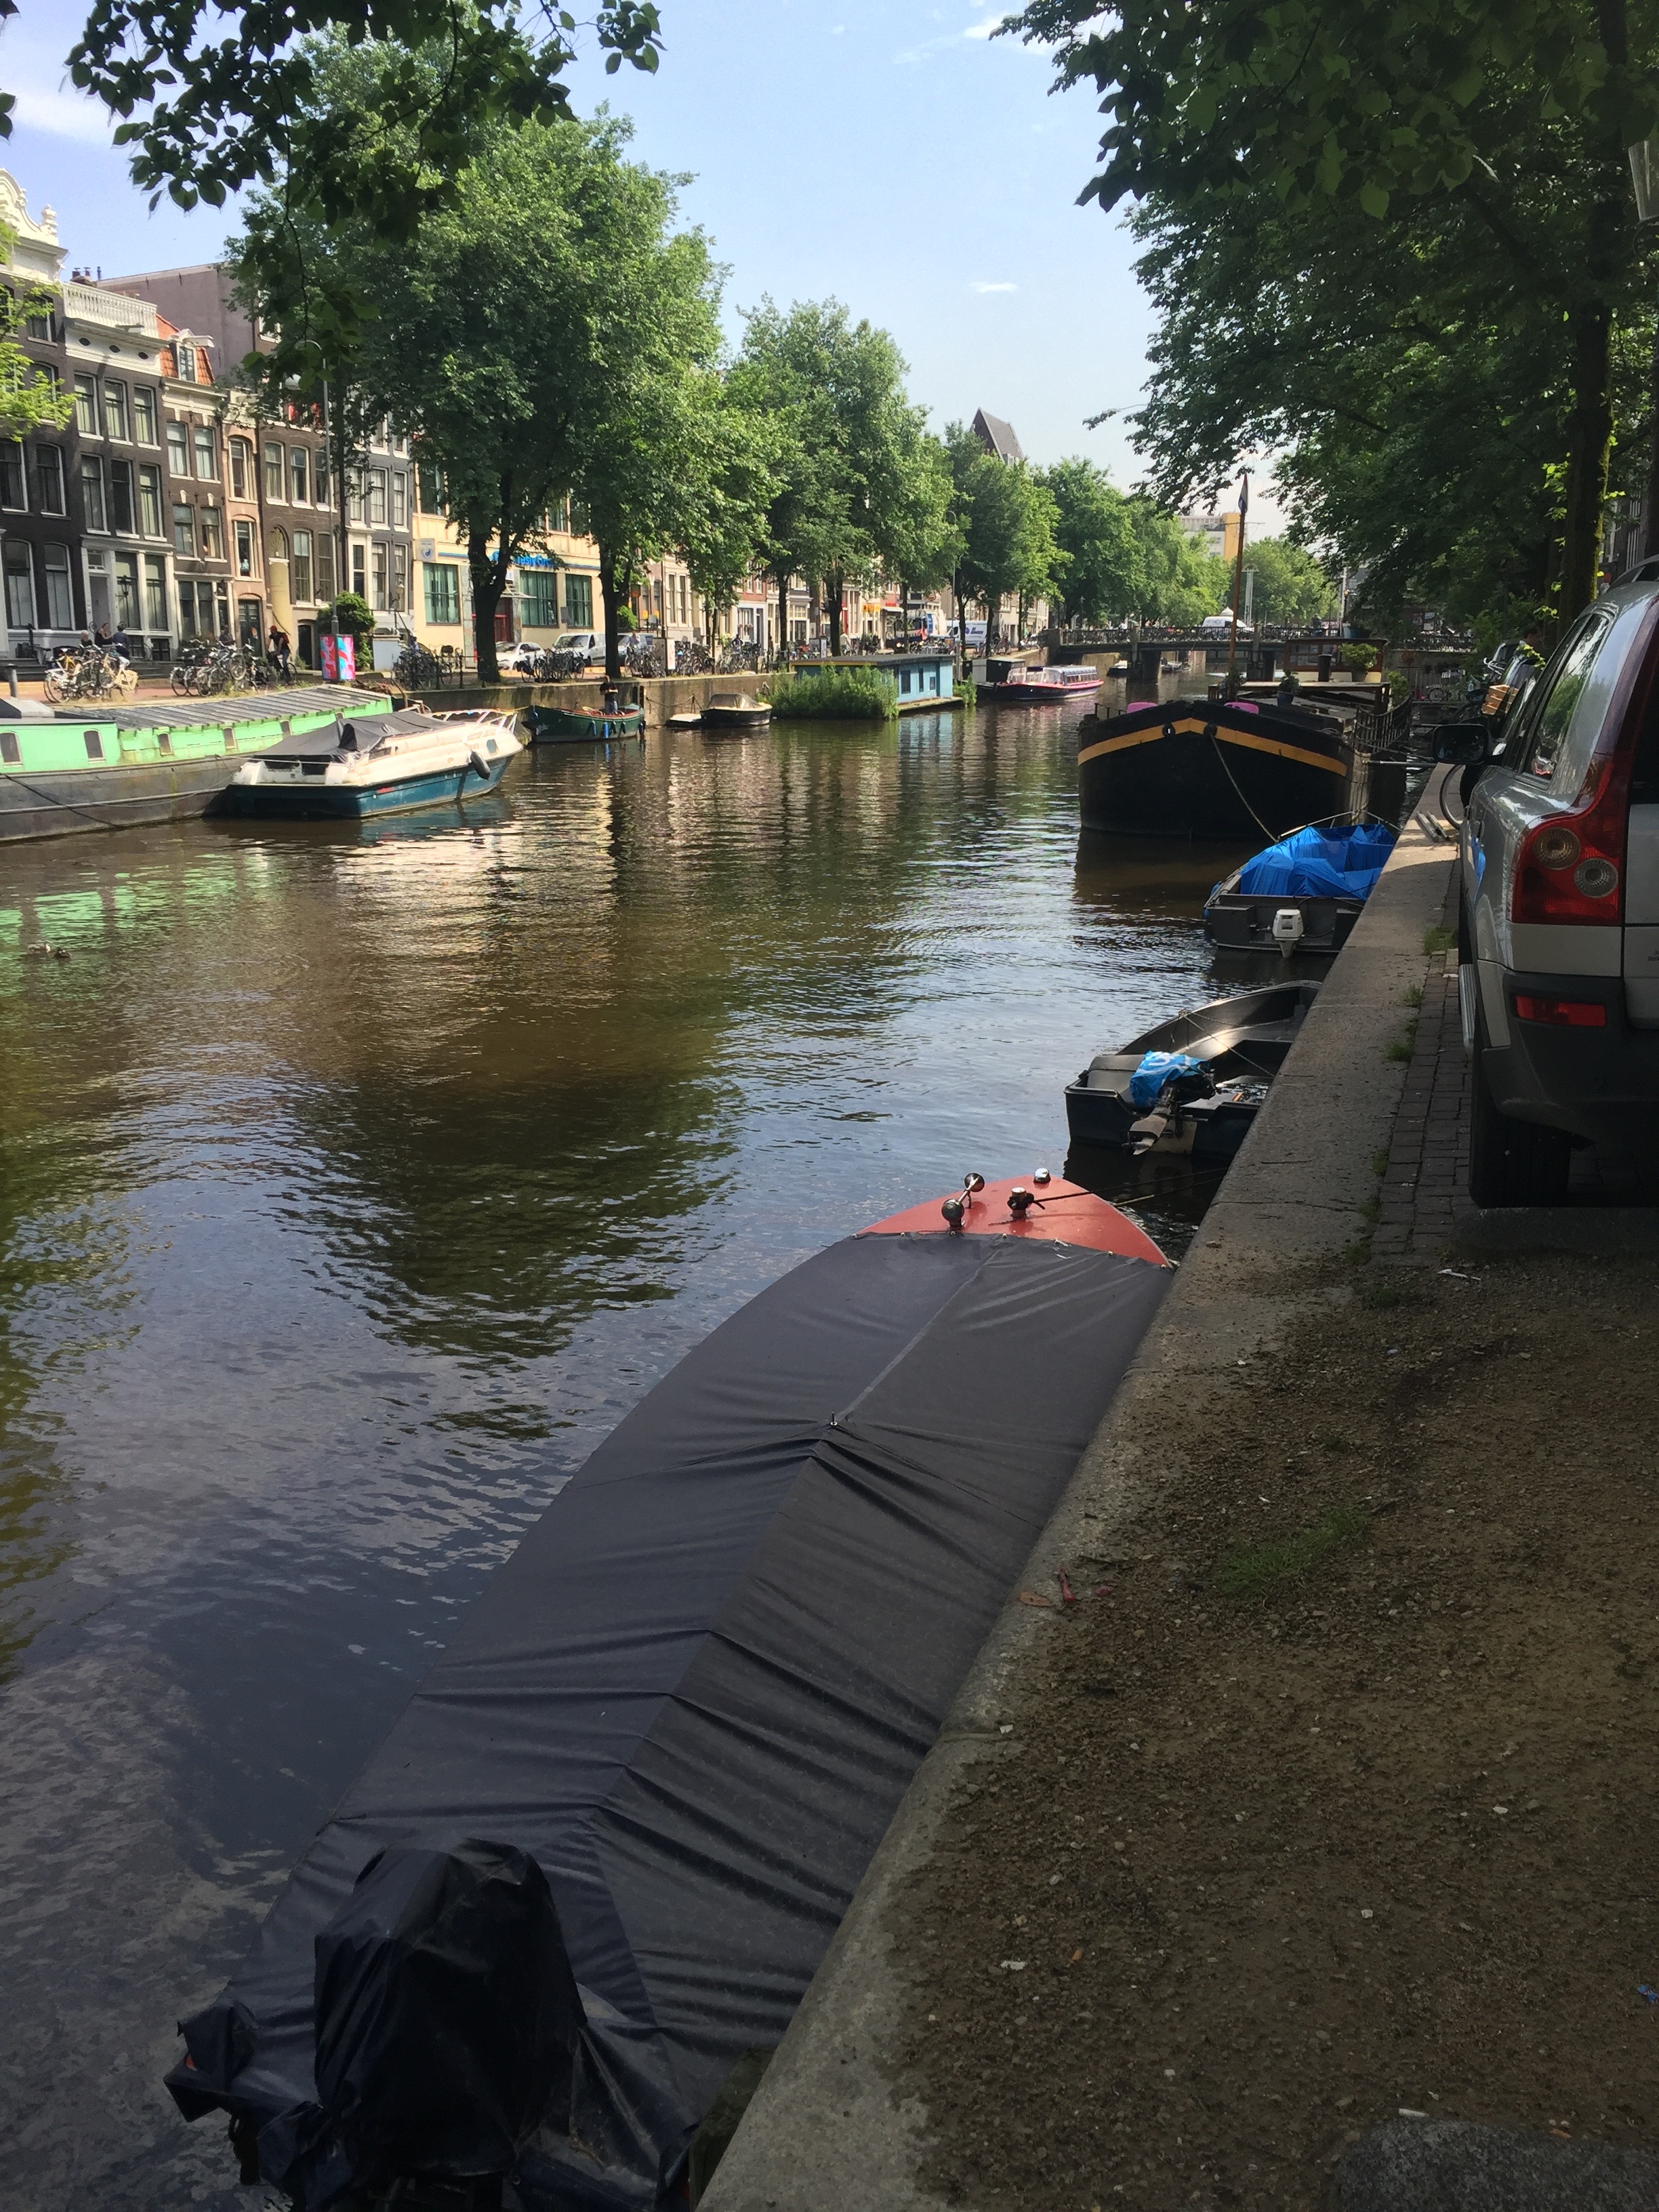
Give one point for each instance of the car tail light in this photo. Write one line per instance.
(1566, 1013)
(1569, 866)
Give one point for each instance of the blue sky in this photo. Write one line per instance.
(899, 158)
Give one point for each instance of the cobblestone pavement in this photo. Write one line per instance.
(1427, 1180)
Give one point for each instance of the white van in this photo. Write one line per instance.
(1222, 625)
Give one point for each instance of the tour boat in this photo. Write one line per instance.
(592, 1868)
(1011, 683)
(1195, 1083)
(571, 726)
(379, 764)
(1211, 768)
(166, 761)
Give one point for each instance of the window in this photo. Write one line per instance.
(325, 564)
(86, 405)
(20, 588)
(1550, 714)
(400, 579)
(429, 490)
(178, 449)
(115, 410)
(355, 494)
(299, 575)
(144, 415)
(400, 500)
(149, 500)
(357, 559)
(207, 451)
(277, 558)
(578, 602)
(558, 515)
(126, 591)
(273, 471)
(443, 591)
(322, 476)
(49, 466)
(580, 521)
(245, 549)
(156, 593)
(377, 495)
(539, 599)
(299, 469)
(378, 600)
(213, 536)
(241, 468)
(185, 361)
(39, 326)
(120, 494)
(184, 529)
(60, 603)
(11, 474)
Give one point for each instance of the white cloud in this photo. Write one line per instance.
(62, 114)
(984, 30)
(994, 287)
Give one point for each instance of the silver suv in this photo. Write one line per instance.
(1558, 942)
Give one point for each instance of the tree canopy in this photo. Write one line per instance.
(1291, 587)
(1006, 519)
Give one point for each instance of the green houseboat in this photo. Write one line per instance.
(166, 761)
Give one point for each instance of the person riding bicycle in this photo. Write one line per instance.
(279, 648)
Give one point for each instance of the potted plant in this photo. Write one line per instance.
(1358, 660)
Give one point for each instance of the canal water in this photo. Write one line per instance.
(354, 1181)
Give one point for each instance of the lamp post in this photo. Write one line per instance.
(1238, 579)
(1644, 176)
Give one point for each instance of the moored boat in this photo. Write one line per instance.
(166, 761)
(1011, 682)
(1304, 893)
(384, 764)
(570, 726)
(1210, 768)
(736, 710)
(624, 1814)
(1193, 1083)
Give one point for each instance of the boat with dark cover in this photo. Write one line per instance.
(736, 710)
(1194, 1083)
(165, 760)
(1210, 768)
(600, 1856)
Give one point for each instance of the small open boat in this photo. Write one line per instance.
(613, 717)
(1303, 894)
(385, 765)
(736, 710)
(600, 1856)
(1013, 683)
(1193, 1085)
(1210, 768)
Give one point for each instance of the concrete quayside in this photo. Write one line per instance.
(1294, 1863)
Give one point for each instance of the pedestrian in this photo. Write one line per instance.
(279, 649)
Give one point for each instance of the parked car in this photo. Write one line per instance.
(1222, 626)
(588, 642)
(1559, 941)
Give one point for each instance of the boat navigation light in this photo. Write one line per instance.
(953, 1209)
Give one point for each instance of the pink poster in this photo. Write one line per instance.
(330, 661)
(339, 657)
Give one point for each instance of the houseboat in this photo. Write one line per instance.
(167, 761)
(1211, 769)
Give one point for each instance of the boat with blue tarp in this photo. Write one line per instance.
(1303, 894)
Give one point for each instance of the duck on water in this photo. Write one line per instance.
(591, 1872)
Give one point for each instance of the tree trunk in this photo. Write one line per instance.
(1589, 435)
(489, 578)
(992, 617)
(781, 642)
(836, 581)
(611, 596)
(961, 624)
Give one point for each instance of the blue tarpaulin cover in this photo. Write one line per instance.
(1154, 1071)
(1319, 863)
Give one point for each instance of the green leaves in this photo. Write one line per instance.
(1374, 200)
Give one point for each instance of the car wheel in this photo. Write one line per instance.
(1510, 1162)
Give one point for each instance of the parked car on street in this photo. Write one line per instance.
(1559, 941)
(588, 642)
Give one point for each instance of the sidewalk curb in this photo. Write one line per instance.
(826, 2126)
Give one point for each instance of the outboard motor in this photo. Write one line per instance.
(1289, 929)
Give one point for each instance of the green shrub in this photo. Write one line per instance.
(1358, 657)
(835, 695)
(352, 615)
(966, 690)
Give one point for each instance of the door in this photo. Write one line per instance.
(504, 623)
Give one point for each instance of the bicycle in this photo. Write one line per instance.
(89, 674)
(416, 668)
(692, 658)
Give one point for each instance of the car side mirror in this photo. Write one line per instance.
(1462, 743)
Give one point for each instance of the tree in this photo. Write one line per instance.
(1008, 520)
(29, 398)
(547, 230)
(1291, 588)
(208, 116)
(1179, 582)
(1513, 116)
(856, 483)
(1102, 572)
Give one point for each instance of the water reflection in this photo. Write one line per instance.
(354, 1179)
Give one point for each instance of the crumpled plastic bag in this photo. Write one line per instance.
(1157, 1069)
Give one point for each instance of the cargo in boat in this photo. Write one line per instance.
(1194, 1083)
(1304, 893)
(624, 1815)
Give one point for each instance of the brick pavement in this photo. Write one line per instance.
(1426, 1186)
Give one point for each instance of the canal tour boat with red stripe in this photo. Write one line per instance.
(1211, 769)
(386, 764)
(588, 1876)
(1013, 683)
